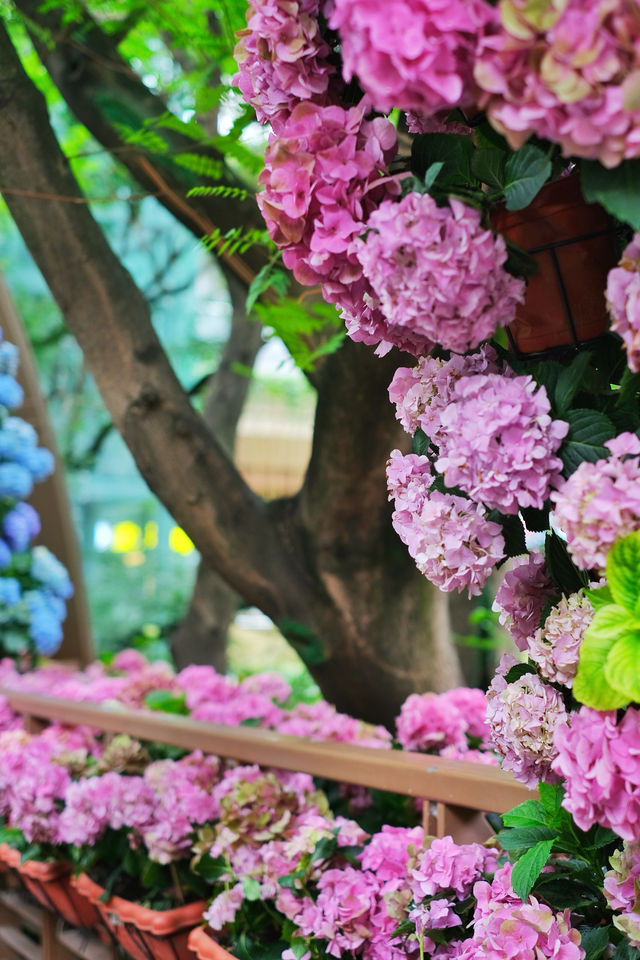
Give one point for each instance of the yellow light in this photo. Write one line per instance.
(179, 542)
(126, 537)
(150, 539)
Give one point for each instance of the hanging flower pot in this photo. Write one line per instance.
(143, 933)
(205, 947)
(50, 884)
(573, 246)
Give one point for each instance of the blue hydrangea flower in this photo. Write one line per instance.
(8, 359)
(10, 591)
(15, 481)
(20, 526)
(48, 570)
(11, 394)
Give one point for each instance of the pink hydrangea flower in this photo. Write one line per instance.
(425, 68)
(447, 866)
(433, 721)
(224, 907)
(554, 648)
(437, 273)
(387, 852)
(599, 760)
(528, 931)
(600, 502)
(341, 913)
(567, 72)
(500, 442)
(521, 596)
(320, 184)
(423, 392)
(282, 58)
(621, 886)
(623, 300)
(450, 539)
(523, 717)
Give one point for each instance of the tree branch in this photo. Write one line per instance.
(107, 314)
(102, 90)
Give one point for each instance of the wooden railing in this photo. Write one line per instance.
(455, 793)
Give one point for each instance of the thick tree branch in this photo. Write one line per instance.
(110, 319)
(102, 91)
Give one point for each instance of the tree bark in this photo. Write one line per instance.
(324, 565)
(201, 636)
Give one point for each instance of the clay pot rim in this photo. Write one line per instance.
(158, 922)
(206, 947)
(43, 870)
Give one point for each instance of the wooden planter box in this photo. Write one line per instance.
(205, 947)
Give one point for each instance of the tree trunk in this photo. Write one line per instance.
(325, 565)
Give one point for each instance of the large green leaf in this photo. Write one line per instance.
(488, 165)
(622, 667)
(525, 172)
(530, 813)
(453, 150)
(569, 382)
(529, 867)
(623, 572)
(617, 189)
(591, 686)
(588, 430)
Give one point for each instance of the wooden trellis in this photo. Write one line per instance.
(455, 793)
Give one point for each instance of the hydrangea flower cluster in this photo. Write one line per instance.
(282, 58)
(623, 301)
(426, 68)
(599, 758)
(433, 721)
(600, 502)
(524, 717)
(555, 646)
(438, 274)
(33, 586)
(566, 73)
(422, 393)
(321, 182)
(449, 537)
(500, 442)
(521, 597)
(621, 885)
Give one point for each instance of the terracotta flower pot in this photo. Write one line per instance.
(143, 933)
(203, 945)
(50, 884)
(572, 244)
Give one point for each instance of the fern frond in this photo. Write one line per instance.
(222, 190)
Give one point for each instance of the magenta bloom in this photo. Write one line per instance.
(600, 502)
(438, 274)
(623, 300)
(523, 717)
(621, 886)
(450, 866)
(412, 54)
(567, 72)
(599, 759)
(319, 188)
(555, 647)
(521, 596)
(432, 721)
(282, 58)
(450, 538)
(500, 442)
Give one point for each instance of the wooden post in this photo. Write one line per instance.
(50, 497)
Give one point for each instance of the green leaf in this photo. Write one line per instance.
(616, 190)
(513, 533)
(152, 875)
(212, 870)
(625, 951)
(421, 443)
(621, 667)
(324, 848)
(551, 795)
(289, 879)
(588, 430)
(167, 701)
(529, 867)
(594, 941)
(268, 276)
(525, 172)
(299, 947)
(432, 174)
(591, 686)
(561, 566)
(535, 520)
(453, 150)
(519, 839)
(569, 382)
(251, 888)
(599, 597)
(623, 572)
(488, 164)
(518, 670)
(530, 813)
